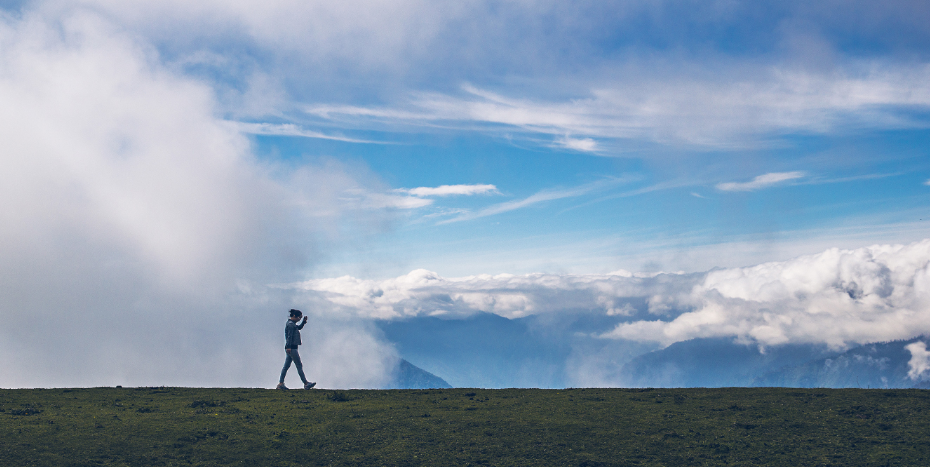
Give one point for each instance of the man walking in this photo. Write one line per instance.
(291, 341)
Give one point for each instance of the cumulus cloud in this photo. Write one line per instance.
(836, 298)
(450, 190)
(762, 181)
(138, 227)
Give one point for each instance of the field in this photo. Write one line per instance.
(572, 427)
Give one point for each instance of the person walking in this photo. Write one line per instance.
(291, 341)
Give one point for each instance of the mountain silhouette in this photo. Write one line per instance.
(410, 376)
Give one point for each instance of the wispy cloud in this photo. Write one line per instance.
(363, 199)
(450, 190)
(927, 182)
(718, 112)
(853, 178)
(542, 196)
(290, 129)
(762, 181)
(578, 144)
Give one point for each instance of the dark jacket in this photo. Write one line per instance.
(292, 334)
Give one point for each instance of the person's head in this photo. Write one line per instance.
(295, 314)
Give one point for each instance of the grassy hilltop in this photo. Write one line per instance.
(573, 427)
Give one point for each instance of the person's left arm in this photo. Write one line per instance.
(302, 323)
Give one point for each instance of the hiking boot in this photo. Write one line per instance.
(281, 386)
(309, 385)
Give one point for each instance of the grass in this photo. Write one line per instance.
(573, 427)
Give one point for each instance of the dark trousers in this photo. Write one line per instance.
(293, 356)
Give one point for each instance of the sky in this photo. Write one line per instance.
(177, 175)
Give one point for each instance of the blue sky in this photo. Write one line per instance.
(196, 167)
(609, 125)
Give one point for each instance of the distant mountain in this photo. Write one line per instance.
(485, 350)
(490, 351)
(410, 376)
(879, 365)
(713, 362)
(724, 363)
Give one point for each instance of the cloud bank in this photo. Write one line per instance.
(836, 298)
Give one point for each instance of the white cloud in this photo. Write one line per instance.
(540, 197)
(138, 224)
(712, 100)
(289, 129)
(368, 200)
(341, 356)
(927, 182)
(762, 181)
(578, 144)
(836, 298)
(723, 111)
(450, 190)
(919, 364)
(425, 293)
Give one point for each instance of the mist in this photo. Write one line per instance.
(139, 229)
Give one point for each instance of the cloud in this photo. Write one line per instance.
(578, 144)
(425, 293)
(338, 355)
(369, 200)
(669, 75)
(762, 181)
(836, 298)
(540, 197)
(138, 227)
(450, 190)
(919, 364)
(723, 111)
(290, 129)
(927, 182)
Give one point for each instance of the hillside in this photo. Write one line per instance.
(576, 427)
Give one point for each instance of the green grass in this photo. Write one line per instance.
(574, 427)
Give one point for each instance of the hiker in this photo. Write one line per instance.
(291, 341)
